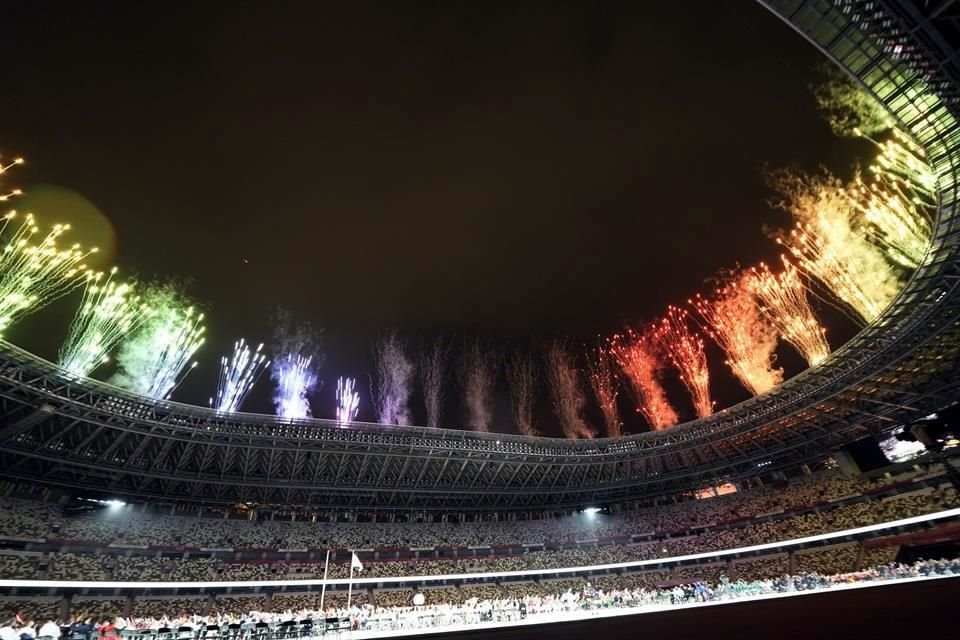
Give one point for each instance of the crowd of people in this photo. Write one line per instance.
(753, 517)
(37, 520)
(440, 607)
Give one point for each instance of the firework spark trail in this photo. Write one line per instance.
(734, 320)
(348, 401)
(783, 300)
(686, 351)
(295, 364)
(639, 357)
(848, 108)
(32, 275)
(433, 372)
(893, 222)
(827, 245)
(395, 372)
(295, 378)
(895, 205)
(902, 160)
(522, 377)
(108, 313)
(156, 358)
(479, 379)
(238, 374)
(603, 381)
(569, 400)
(4, 167)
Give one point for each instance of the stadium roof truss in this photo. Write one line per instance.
(88, 436)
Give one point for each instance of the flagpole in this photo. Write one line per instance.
(350, 582)
(323, 588)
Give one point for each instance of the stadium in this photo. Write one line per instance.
(127, 515)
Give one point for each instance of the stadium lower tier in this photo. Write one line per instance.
(38, 541)
(445, 608)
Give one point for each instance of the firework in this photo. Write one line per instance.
(108, 313)
(894, 206)
(33, 274)
(566, 392)
(238, 374)
(783, 300)
(295, 364)
(4, 167)
(156, 358)
(432, 372)
(902, 160)
(522, 377)
(847, 107)
(395, 371)
(603, 380)
(479, 378)
(295, 379)
(686, 352)
(828, 245)
(734, 320)
(641, 361)
(893, 222)
(348, 401)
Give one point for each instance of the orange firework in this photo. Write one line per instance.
(603, 381)
(783, 300)
(685, 350)
(734, 320)
(639, 357)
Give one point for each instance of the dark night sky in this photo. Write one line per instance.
(516, 170)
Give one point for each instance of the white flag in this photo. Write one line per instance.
(355, 562)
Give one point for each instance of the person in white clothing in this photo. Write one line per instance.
(28, 631)
(50, 629)
(9, 631)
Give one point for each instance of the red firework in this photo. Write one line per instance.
(640, 358)
(686, 352)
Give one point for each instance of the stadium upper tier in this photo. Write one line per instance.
(43, 541)
(82, 434)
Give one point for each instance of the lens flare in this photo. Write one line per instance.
(156, 358)
(108, 314)
(639, 356)
(238, 374)
(686, 351)
(784, 301)
(34, 274)
(348, 401)
(734, 321)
